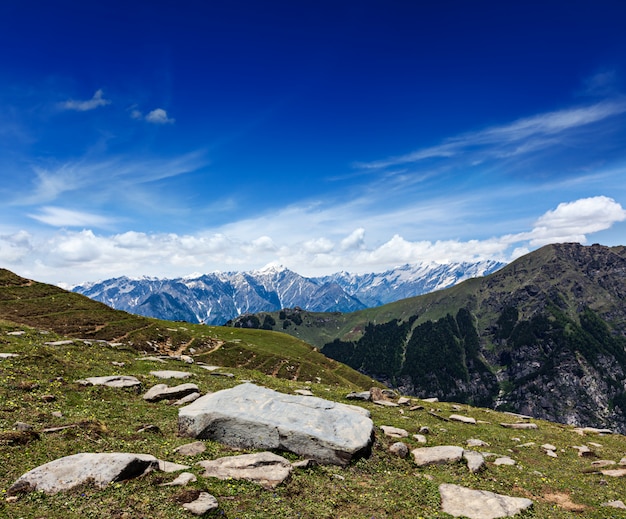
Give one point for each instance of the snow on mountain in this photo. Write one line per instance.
(219, 296)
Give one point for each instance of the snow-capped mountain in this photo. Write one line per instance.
(219, 296)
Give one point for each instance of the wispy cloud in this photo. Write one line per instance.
(60, 217)
(83, 106)
(521, 136)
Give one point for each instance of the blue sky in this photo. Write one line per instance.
(166, 138)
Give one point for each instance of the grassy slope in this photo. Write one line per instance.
(105, 419)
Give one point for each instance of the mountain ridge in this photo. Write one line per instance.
(217, 297)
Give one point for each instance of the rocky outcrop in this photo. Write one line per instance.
(249, 416)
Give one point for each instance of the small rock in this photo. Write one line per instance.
(615, 504)
(163, 392)
(522, 425)
(362, 395)
(220, 374)
(424, 430)
(118, 381)
(548, 447)
(622, 461)
(529, 444)
(22, 426)
(191, 449)
(183, 479)
(304, 464)
(57, 414)
(475, 461)
(479, 504)
(584, 451)
(170, 374)
(385, 403)
(420, 438)
(474, 442)
(394, 432)
(404, 401)
(602, 463)
(552, 454)
(437, 455)
(416, 408)
(8, 355)
(614, 473)
(399, 449)
(205, 503)
(304, 392)
(504, 460)
(149, 428)
(168, 466)
(191, 397)
(265, 468)
(118, 364)
(431, 400)
(462, 419)
(210, 368)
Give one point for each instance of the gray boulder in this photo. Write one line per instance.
(99, 468)
(205, 503)
(265, 468)
(249, 416)
(479, 504)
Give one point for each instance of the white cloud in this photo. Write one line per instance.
(15, 247)
(60, 217)
(159, 116)
(355, 241)
(520, 136)
(82, 106)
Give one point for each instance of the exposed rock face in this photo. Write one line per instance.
(99, 468)
(249, 416)
(479, 504)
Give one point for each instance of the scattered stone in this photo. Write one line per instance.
(404, 401)
(191, 397)
(164, 392)
(168, 466)
(529, 444)
(304, 464)
(420, 438)
(462, 419)
(58, 343)
(399, 449)
(437, 455)
(110, 381)
(474, 442)
(183, 479)
(362, 395)
(50, 430)
(584, 451)
(597, 445)
(22, 426)
(8, 355)
(456, 407)
(592, 430)
(57, 414)
(602, 463)
(220, 374)
(430, 400)
(552, 454)
(185, 358)
(249, 416)
(205, 503)
(152, 359)
(149, 428)
(614, 473)
(191, 449)
(209, 368)
(475, 461)
(385, 403)
(622, 461)
(99, 468)
(424, 430)
(303, 392)
(17, 333)
(548, 447)
(265, 468)
(517, 415)
(394, 432)
(170, 374)
(615, 504)
(479, 504)
(519, 425)
(416, 408)
(504, 460)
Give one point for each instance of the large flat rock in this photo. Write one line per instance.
(479, 504)
(265, 468)
(249, 416)
(98, 468)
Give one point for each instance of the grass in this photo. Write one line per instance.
(383, 486)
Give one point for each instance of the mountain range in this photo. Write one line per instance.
(543, 336)
(218, 297)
